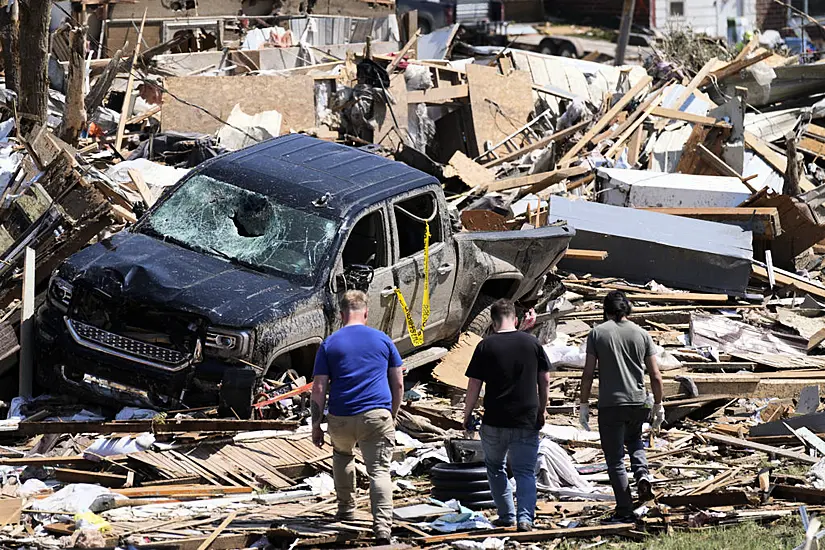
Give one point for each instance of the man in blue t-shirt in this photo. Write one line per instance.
(362, 369)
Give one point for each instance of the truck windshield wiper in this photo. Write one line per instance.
(230, 259)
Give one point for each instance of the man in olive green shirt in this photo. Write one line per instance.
(623, 352)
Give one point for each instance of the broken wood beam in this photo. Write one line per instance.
(543, 142)
(96, 478)
(403, 51)
(733, 68)
(538, 535)
(140, 426)
(594, 255)
(443, 94)
(130, 83)
(538, 182)
(674, 114)
(44, 460)
(603, 122)
(721, 166)
(764, 221)
(783, 280)
(746, 444)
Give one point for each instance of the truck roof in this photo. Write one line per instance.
(304, 169)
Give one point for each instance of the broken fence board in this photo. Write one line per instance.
(745, 444)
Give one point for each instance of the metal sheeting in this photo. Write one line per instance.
(644, 188)
(643, 246)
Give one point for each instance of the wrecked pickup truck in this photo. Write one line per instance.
(235, 274)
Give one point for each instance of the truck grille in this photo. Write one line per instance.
(126, 346)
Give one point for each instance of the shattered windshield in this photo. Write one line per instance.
(244, 227)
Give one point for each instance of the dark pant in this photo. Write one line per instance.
(620, 428)
(521, 447)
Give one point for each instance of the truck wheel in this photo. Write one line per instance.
(480, 320)
(237, 390)
(567, 50)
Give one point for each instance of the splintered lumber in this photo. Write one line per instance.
(721, 166)
(734, 67)
(764, 220)
(694, 83)
(687, 297)
(538, 182)
(43, 460)
(603, 122)
(794, 493)
(231, 517)
(781, 279)
(538, 535)
(442, 94)
(745, 444)
(674, 114)
(82, 476)
(543, 142)
(140, 426)
(595, 255)
(137, 178)
(127, 97)
(403, 51)
(182, 491)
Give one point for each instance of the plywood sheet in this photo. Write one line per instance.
(500, 104)
(293, 97)
(451, 369)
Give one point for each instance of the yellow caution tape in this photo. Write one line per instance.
(417, 334)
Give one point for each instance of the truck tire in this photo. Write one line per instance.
(480, 319)
(237, 392)
(458, 472)
(568, 50)
(445, 484)
(465, 497)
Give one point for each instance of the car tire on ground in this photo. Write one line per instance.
(449, 484)
(458, 472)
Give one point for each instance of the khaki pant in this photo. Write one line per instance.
(374, 432)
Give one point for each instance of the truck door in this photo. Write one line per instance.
(368, 244)
(408, 216)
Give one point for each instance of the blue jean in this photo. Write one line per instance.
(521, 446)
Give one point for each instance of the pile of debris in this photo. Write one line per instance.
(694, 187)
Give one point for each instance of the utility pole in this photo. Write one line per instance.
(624, 31)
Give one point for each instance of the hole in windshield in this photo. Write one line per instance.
(244, 227)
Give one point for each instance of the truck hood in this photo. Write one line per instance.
(143, 269)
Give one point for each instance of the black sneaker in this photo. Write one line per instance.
(503, 523)
(525, 526)
(645, 488)
(616, 519)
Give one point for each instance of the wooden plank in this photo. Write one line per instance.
(778, 161)
(603, 122)
(538, 535)
(127, 97)
(745, 444)
(764, 220)
(812, 146)
(577, 254)
(694, 83)
(44, 460)
(229, 519)
(642, 117)
(674, 114)
(145, 193)
(687, 297)
(783, 280)
(81, 476)
(538, 182)
(182, 491)
(733, 68)
(403, 51)
(721, 166)
(140, 426)
(27, 341)
(544, 142)
(444, 94)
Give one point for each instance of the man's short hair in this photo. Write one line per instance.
(354, 300)
(502, 309)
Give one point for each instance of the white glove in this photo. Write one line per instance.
(584, 416)
(658, 416)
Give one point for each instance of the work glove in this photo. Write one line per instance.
(584, 416)
(658, 416)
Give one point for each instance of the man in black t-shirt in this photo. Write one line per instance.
(516, 372)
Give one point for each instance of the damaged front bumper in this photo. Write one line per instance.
(80, 358)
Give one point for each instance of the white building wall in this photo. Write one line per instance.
(706, 16)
